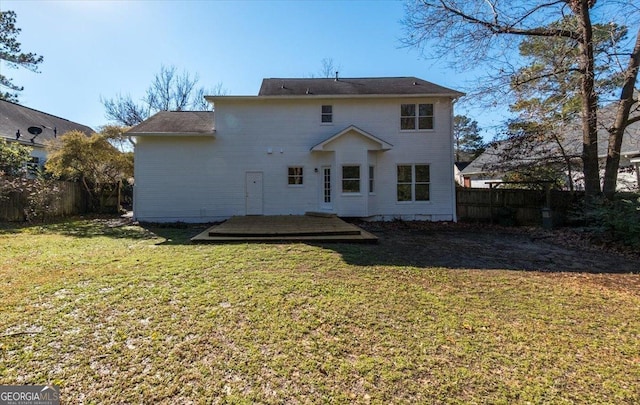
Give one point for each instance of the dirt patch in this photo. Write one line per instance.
(474, 246)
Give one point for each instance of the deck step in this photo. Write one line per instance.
(320, 214)
(282, 233)
(309, 228)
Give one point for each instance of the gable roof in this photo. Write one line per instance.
(15, 118)
(354, 87)
(352, 129)
(461, 165)
(190, 123)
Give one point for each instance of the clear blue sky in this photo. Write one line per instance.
(101, 48)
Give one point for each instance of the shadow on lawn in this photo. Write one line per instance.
(452, 246)
(100, 226)
(456, 246)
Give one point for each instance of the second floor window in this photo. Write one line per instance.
(416, 116)
(327, 114)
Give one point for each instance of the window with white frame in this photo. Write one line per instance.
(416, 117)
(295, 176)
(372, 172)
(327, 114)
(413, 183)
(350, 179)
(33, 165)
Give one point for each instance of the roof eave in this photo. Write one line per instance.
(165, 134)
(453, 95)
(26, 143)
(384, 146)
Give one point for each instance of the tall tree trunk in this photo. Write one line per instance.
(616, 132)
(589, 100)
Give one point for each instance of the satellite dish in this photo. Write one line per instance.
(34, 130)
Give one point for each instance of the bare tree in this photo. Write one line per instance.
(169, 91)
(124, 111)
(200, 103)
(477, 32)
(328, 68)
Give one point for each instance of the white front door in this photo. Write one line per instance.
(326, 192)
(254, 193)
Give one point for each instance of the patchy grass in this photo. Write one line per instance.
(125, 314)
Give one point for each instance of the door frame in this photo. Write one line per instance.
(326, 180)
(257, 208)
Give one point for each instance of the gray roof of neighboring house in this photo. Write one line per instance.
(176, 122)
(492, 158)
(486, 160)
(353, 86)
(16, 118)
(461, 165)
(630, 140)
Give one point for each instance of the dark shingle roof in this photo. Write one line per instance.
(352, 86)
(15, 117)
(176, 122)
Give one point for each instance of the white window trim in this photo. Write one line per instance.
(417, 118)
(323, 114)
(372, 169)
(413, 184)
(351, 193)
(290, 176)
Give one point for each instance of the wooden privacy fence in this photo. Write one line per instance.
(512, 206)
(73, 200)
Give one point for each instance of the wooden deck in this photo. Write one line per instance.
(302, 228)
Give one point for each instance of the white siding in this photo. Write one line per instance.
(199, 179)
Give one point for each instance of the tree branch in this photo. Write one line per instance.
(497, 28)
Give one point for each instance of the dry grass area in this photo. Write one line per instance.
(125, 314)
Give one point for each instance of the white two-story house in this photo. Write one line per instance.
(375, 148)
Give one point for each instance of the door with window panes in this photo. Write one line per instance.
(326, 191)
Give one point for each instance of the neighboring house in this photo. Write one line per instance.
(378, 148)
(34, 128)
(458, 167)
(491, 165)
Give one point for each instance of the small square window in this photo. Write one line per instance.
(327, 114)
(295, 175)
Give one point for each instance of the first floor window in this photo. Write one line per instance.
(413, 183)
(371, 179)
(295, 175)
(350, 179)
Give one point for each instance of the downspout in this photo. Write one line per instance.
(135, 188)
(451, 165)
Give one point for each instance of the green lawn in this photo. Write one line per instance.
(133, 315)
